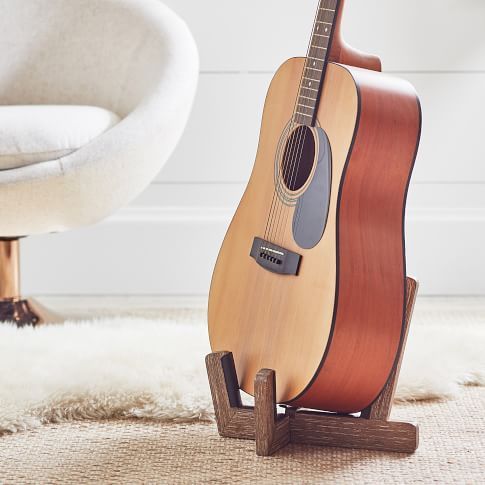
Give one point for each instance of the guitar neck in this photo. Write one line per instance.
(316, 62)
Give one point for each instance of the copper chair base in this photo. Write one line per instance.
(26, 313)
(13, 308)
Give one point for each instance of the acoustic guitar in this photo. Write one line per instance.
(310, 280)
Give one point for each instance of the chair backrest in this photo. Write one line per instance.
(109, 53)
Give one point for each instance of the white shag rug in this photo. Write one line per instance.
(130, 368)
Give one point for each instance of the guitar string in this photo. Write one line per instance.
(331, 5)
(276, 196)
(279, 173)
(287, 175)
(296, 168)
(297, 140)
(296, 152)
(282, 173)
(324, 4)
(291, 150)
(281, 227)
(275, 200)
(287, 167)
(294, 178)
(291, 127)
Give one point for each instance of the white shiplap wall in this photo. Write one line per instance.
(167, 241)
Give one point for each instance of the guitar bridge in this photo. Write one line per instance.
(275, 258)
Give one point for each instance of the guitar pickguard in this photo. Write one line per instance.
(311, 212)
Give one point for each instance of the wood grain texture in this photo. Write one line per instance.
(305, 427)
(284, 323)
(271, 431)
(349, 432)
(232, 421)
(267, 320)
(346, 305)
(381, 408)
(343, 53)
(369, 314)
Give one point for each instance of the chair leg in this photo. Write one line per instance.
(13, 308)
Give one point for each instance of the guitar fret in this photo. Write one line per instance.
(324, 27)
(323, 55)
(311, 80)
(316, 61)
(318, 53)
(309, 94)
(306, 105)
(310, 84)
(326, 15)
(312, 76)
(313, 99)
(313, 69)
(306, 97)
(317, 67)
(314, 80)
(306, 86)
(303, 114)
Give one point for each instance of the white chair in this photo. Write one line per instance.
(94, 95)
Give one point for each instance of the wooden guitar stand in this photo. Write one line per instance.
(272, 431)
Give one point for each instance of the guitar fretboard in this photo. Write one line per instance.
(316, 62)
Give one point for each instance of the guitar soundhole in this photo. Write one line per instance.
(298, 158)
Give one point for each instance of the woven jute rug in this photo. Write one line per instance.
(452, 450)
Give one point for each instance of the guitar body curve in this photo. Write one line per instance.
(332, 330)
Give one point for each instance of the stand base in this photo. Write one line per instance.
(273, 431)
(26, 313)
(14, 308)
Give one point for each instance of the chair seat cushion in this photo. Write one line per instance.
(34, 134)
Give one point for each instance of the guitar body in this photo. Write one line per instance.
(331, 330)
